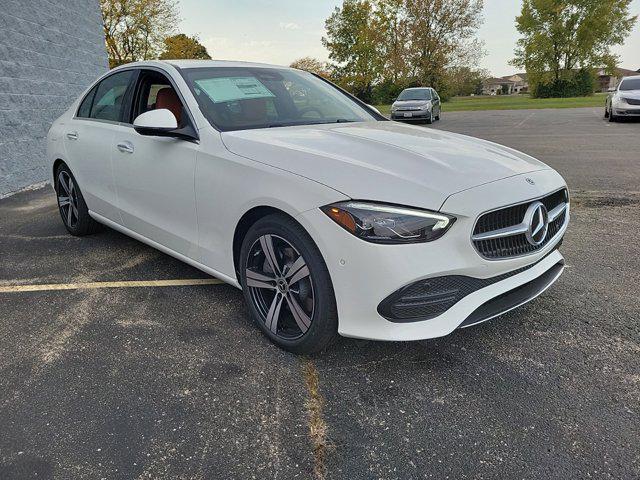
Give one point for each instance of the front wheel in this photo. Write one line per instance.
(287, 286)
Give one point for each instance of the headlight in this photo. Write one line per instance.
(389, 224)
(426, 106)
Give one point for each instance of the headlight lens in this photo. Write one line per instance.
(379, 223)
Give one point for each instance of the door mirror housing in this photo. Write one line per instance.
(162, 123)
(612, 89)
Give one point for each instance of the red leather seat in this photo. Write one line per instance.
(168, 98)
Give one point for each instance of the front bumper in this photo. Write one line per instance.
(415, 115)
(624, 109)
(364, 274)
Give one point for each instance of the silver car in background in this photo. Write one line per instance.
(624, 101)
(417, 104)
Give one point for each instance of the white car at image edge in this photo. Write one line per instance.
(624, 100)
(330, 218)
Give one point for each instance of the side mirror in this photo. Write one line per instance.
(611, 89)
(162, 123)
(374, 109)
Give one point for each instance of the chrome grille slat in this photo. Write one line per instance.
(501, 233)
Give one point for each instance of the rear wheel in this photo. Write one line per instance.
(287, 286)
(73, 209)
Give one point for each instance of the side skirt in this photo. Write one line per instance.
(163, 249)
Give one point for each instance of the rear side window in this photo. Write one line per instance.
(108, 101)
(85, 107)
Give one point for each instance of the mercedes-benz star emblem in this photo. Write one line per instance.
(537, 220)
(530, 181)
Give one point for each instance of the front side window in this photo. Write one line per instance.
(237, 98)
(630, 84)
(155, 91)
(417, 94)
(108, 101)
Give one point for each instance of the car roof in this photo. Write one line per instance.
(201, 64)
(419, 88)
(632, 77)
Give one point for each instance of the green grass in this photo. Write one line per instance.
(513, 102)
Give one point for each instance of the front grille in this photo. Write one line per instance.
(632, 101)
(514, 245)
(426, 299)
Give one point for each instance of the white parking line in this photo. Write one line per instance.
(95, 285)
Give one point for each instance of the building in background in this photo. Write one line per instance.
(520, 82)
(50, 51)
(607, 81)
(498, 86)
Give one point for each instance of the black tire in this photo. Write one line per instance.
(429, 120)
(606, 112)
(292, 246)
(612, 117)
(74, 213)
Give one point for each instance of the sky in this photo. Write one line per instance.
(280, 31)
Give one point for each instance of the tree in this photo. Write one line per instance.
(391, 44)
(464, 81)
(136, 29)
(181, 46)
(442, 36)
(313, 65)
(560, 37)
(353, 40)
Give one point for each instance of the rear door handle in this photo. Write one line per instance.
(72, 135)
(125, 147)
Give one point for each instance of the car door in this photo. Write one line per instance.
(436, 102)
(88, 140)
(155, 175)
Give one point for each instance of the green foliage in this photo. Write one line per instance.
(181, 46)
(135, 29)
(562, 36)
(313, 65)
(378, 47)
(353, 43)
(579, 84)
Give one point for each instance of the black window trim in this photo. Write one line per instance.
(133, 79)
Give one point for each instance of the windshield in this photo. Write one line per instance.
(418, 94)
(630, 84)
(238, 98)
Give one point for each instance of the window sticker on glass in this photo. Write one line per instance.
(228, 89)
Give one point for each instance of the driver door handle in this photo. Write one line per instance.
(125, 147)
(72, 135)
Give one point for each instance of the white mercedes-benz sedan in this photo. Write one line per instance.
(330, 218)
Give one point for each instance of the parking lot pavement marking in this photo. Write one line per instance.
(123, 284)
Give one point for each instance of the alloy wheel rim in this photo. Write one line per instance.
(280, 286)
(67, 199)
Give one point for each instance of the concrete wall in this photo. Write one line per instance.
(50, 50)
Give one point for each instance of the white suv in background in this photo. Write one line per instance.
(329, 217)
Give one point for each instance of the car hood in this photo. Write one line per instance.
(410, 103)
(630, 93)
(383, 161)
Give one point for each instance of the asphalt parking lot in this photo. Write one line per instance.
(173, 382)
